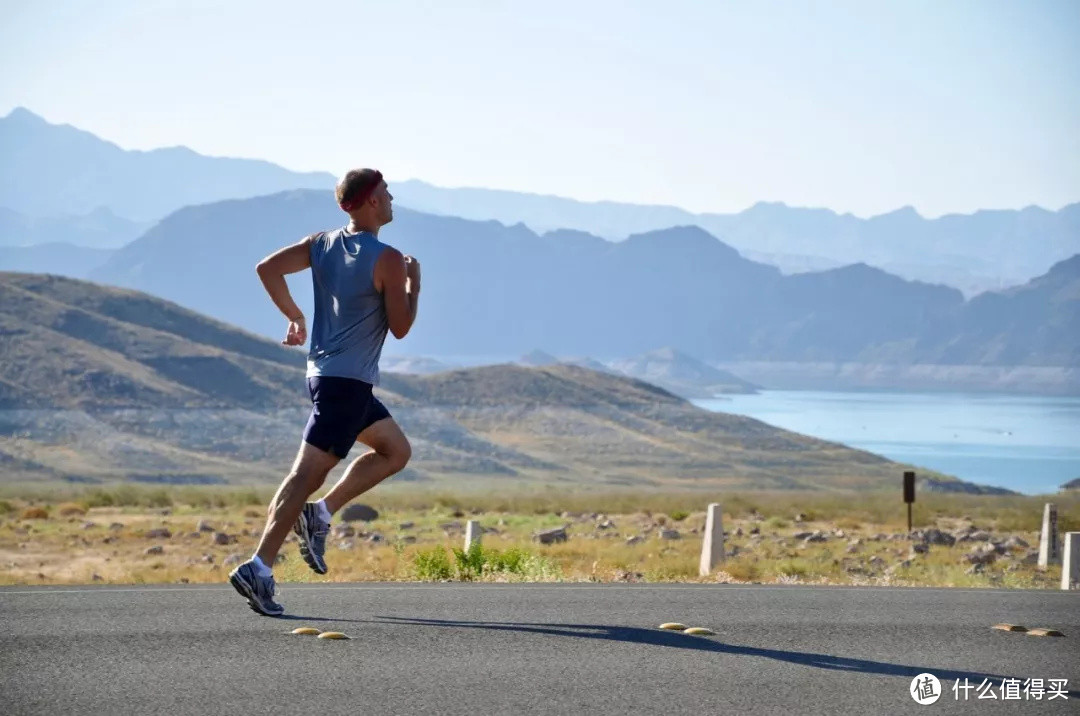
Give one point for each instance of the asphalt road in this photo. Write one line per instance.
(522, 649)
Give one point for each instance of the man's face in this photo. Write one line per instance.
(386, 210)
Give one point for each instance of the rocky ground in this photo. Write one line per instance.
(43, 543)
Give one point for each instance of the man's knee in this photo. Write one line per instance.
(398, 454)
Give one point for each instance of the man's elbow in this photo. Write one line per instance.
(262, 268)
(399, 332)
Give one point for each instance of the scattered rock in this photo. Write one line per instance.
(451, 526)
(755, 530)
(223, 539)
(605, 525)
(406, 526)
(95, 577)
(407, 539)
(343, 531)
(156, 549)
(1030, 557)
(232, 559)
(116, 526)
(738, 532)
(634, 540)
(159, 533)
(876, 561)
(455, 513)
(1015, 542)
(984, 554)
(934, 536)
(817, 536)
(89, 525)
(802, 535)
(346, 545)
(979, 536)
(551, 536)
(363, 513)
(852, 548)
(839, 533)
(207, 558)
(920, 548)
(203, 526)
(669, 534)
(624, 576)
(977, 568)
(800, 517)
(375, 537)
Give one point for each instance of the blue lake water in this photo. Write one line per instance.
(1030, 444)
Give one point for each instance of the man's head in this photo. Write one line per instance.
(363, 195)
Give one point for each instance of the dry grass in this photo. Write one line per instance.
(56, 544)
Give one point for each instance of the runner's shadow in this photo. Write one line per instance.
(678, 640)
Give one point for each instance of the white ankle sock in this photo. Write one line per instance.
(263, 569)
(324, 513)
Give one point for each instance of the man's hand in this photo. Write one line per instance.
(297, 333)
(412, 270)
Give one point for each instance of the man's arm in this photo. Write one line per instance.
(272, 271)
(397, 277)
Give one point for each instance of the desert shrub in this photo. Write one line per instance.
(678, 515)
(469, 564)
(34, 513)
(511, 561)
(743, 571)
(6, 507)
(791, 568)
(70, 509)
(432, 564)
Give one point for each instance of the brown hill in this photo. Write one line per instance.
(98, 383)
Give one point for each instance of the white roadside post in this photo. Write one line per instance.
(472, 533)
(1048, 539)
(712, 549)
(1070, 566)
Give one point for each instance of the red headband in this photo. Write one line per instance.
(362, 196)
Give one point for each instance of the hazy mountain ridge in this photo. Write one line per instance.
(581, 295)
(52, 170)
(89, 396)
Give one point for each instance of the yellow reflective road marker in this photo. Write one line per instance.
(332, 635)
(700, 631)
(1044, 632)
(675, 626)
(1010, 627)
(305, 630)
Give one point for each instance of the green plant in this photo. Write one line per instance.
(511, 561)
(679, 515)
(469, 564)
(6, 507)
(432, 564)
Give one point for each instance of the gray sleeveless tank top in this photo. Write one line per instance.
(349, 326)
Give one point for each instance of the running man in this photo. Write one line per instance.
(363, 288)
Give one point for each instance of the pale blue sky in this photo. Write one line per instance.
(857, 106)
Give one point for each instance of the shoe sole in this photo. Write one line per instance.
(300, 528)
(245, 591)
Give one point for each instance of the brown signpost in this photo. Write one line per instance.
(909, 494)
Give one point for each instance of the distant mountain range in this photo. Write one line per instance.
(100, 384)
(582, 295)
(51, 170)
(985, 250)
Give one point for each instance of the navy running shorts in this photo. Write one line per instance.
(341, 408)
